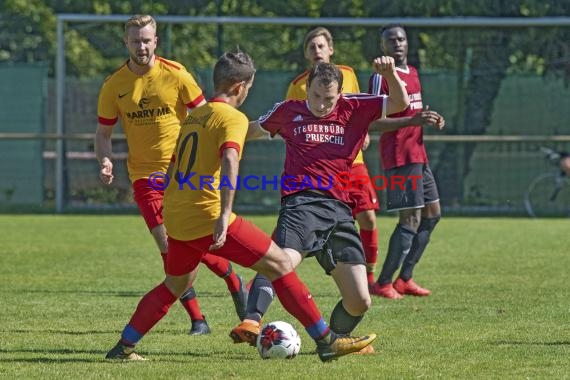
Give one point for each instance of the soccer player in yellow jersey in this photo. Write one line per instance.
(318, 47)
(199, 218)
(151, 96)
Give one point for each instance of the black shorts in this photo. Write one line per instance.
(316, 225)
(419, 187)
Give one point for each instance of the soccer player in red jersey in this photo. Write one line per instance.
(403, 154)
(211, 144)
(323, 134)
(151, 95)
(318, 47)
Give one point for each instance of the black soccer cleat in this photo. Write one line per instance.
(240, 299)
(199, 327)
(123, 352)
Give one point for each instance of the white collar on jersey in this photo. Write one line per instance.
(406, 70)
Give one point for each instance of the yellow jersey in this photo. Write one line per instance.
(151, 108)
(298, 91)
(192, 201)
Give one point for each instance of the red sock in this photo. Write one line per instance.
(163, 255)
(190, 303)
(370, 244)
(296, 299)
(188, 299)
(222, 268)
(152, 307)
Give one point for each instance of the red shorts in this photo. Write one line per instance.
(245, 245)
(362, 194)
(149, 201)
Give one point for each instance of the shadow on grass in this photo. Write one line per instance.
(117, 333)
(138, 294)
(63, 332)
(162, 356)
(520, 343)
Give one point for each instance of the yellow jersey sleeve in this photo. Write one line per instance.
(298, 87)
(231, 133)
(107, 109)
(189, 90)
(350, 86)
(349, 80)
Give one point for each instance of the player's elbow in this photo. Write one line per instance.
(402, 102)
(397, 104)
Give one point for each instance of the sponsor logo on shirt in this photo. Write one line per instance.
(331, 133)
(146, 112)
(416, 101)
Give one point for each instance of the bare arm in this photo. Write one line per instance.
(366, 142)
(229, 170)
(103, 151)
(565, 165)
(398, 99)
(424, 118)
(256, 132)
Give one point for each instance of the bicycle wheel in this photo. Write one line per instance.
(548, 195)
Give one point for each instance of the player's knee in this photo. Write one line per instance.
(358, 305)
(411, 220)
(429, 223)
(431, 210)
(367, 220)
(176, 284)
(275, 263)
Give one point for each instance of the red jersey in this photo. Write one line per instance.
(320, 149)
(405, 145)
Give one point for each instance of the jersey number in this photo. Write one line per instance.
(192, 157)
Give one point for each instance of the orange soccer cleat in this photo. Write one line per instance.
(246, 332)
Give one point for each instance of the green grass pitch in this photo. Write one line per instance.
(500, 306)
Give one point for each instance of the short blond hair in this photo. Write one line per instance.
(320, 31)
(140, 21)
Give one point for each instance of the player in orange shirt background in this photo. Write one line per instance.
(151, 95)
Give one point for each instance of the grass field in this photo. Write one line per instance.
(500, 306)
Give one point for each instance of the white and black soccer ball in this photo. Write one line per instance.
(278, 340)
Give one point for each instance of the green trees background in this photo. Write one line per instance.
(27, 32)
(480, 57)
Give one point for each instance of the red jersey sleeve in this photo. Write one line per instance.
(274, 119)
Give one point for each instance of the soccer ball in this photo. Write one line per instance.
(278, 340)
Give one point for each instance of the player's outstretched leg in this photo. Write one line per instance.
(189, 300)
(151, 309)
(261, 295)
(404, 284)
(235, 283)
(199, 326)
(400, 244)
(296, 299)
